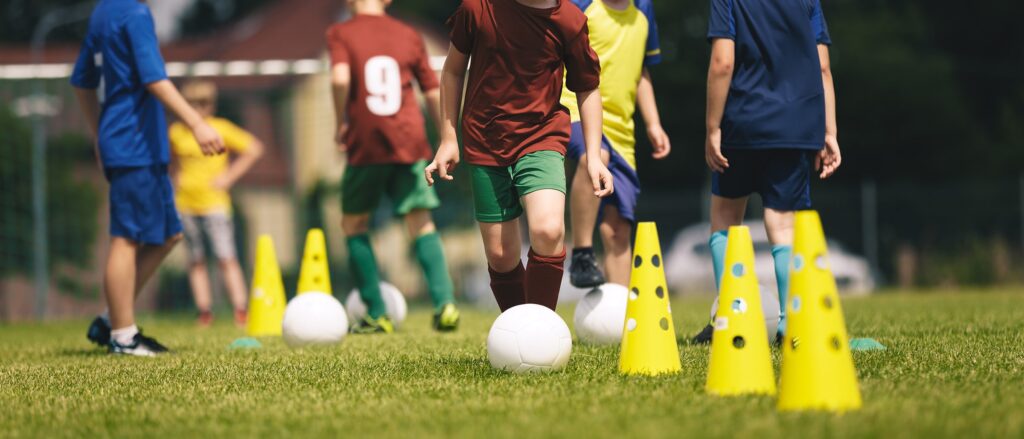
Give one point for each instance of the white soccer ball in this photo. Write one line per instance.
(394, 302)
(770, 307)
(529, 338)
(314, 319)
(600, 315)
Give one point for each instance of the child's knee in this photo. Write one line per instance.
(547, 233)
(502, 259)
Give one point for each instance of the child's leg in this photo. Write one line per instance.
(430, 254)
(779, 225)
(545, 212)
(363, 263)
(616, 233)
(149, 258)
(234, 282)
(583, 206)
(725, 212)
(503, 250)
(119, 282)
(198, 276)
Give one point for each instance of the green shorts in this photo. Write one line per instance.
(363, 186)
(497, 189)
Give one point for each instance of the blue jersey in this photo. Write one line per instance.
(119, 57)
(776, 99)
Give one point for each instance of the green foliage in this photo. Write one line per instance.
(72, 205)
(952, 369)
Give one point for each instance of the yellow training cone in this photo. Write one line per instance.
(314, 276)
(740, 359)
(648, 337)
(817, 369)
(267, 301)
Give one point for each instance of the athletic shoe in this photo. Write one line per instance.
(369, 325)
(448, 319)
(205, 319)
(99, 332)
(241, 317)
(584, 272)
(704, 337)
(141, 346)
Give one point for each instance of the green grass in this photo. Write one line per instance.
(954, 368)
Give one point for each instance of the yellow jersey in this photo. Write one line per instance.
(626, 41)
(194, 191)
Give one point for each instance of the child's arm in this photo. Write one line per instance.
(341, 80)
(433, 98)
(89, 102)
(649, 110)
(591, 117)
(723, 54)
(240, 166)
(829, 158)
(453, 79)
(209, 141)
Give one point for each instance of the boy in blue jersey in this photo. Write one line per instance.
(771, 117)
(120, 82)
(624, 35)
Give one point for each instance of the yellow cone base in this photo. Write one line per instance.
(817, 367)
(315, 275)
(267, 300)
(649, 336)
(740, 358)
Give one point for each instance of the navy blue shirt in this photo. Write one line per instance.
(119, 57)
(776, 99)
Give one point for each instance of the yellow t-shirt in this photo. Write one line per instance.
(194, 192)
(625, 41)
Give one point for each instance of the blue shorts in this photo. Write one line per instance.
(782, 177)
(625, 178)
(142, 204)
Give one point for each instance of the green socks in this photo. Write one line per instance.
(430, 254)
(363, 265)
(781, 255)
(717, 244)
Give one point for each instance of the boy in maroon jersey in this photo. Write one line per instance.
(515, 132)
(375, 59)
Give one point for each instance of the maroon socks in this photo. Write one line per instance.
(544, 278)
(508, 288)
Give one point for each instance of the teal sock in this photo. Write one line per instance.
(781, 255)
(363, 266)
(717, 243)
(430, 254)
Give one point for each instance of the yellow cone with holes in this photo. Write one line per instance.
(648, 335)
(315, 275)
(817, 368)
(740, 361)
(266, 301)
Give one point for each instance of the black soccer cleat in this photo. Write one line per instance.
(141, 346)
(704, 337)
(99, 332)
(584, 272)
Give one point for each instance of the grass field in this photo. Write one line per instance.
(954, 368)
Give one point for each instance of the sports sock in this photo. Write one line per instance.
(717, 244)
(582, 250)
(430, 254)
(508, 288)
(544, 278)
(781, 255)
(363, 266)
(124, 336)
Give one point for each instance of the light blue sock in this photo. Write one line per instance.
(781, 255)
(717, 244)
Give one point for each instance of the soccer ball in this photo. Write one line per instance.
(528, 339)
(314, 319)
(394, 302)
(600, 315)
(770, 307)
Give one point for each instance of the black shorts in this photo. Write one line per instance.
(782, 177)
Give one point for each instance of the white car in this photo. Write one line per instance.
(688, 263)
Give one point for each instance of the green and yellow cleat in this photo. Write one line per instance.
(369, 325)
(448, 319)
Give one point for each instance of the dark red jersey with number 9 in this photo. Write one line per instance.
(384, 56)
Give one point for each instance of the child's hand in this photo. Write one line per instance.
(601, 178)
(829, 158)
(659, 140)
(445, 161)
(209, 140)
(713, 152)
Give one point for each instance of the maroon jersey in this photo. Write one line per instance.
(519, 54)
(385, 121)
